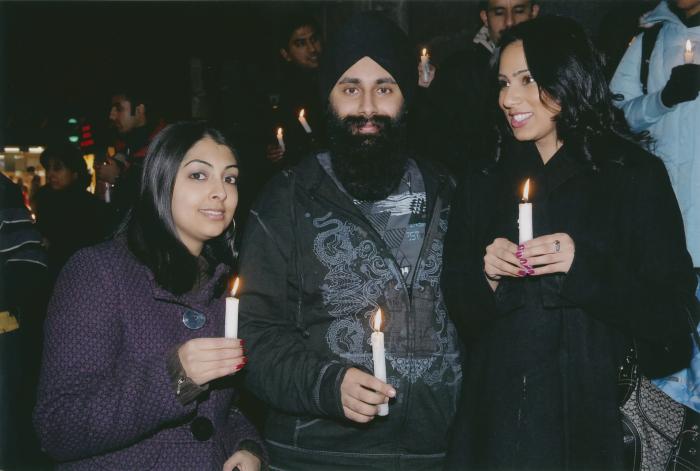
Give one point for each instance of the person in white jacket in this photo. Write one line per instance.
(670, 112)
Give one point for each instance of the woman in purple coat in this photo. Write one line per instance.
(136, 374)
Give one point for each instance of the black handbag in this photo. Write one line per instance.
(658, 432)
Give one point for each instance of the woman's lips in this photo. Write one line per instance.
(518, 120)
(213, 214)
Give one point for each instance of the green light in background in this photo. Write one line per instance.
(73, 139)
(72, 121)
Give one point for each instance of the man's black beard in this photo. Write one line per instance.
(369, 167)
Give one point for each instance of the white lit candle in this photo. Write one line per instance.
(280, 138)
(108, 192)
(525, 216)
(231, 323)
(425, 64)
(303, 122)
(378, 355)
(688, 54)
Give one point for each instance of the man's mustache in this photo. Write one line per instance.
(356, 121)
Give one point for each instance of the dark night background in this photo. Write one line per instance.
(62, 59)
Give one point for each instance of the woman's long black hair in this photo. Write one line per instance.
(569, 71)
(150, 229)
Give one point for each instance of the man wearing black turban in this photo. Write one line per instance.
(343, 234)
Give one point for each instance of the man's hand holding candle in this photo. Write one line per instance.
(361, 393)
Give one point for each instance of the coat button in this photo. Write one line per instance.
(193, 320)
(201, 428)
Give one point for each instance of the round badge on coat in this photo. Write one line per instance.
(193, 320)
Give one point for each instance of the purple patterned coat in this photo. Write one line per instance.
(105, 398)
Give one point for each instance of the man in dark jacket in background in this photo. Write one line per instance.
(331, 241)
(454, 120)
(300, 47)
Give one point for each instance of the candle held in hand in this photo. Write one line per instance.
(304, 124)
(378, 355)
(688, 53)
(425, 64)
(231, 322)
(280, 139)
(525, 216)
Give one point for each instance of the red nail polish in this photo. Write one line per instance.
(242, 342)
(521, 273)
(521, 247)
(245, 360)
(530, 271)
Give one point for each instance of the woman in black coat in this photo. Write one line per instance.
(547, 322)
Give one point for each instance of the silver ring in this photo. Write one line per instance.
(557, 246)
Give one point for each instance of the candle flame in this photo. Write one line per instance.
(688, 46)
(301, 113)
(425, 52)
(279, 132)
(233, 284)
(526, 190)
(377, 320)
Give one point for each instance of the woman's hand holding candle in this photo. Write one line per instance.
(205, 359)
(552, 253)
(361, 393)
(500, 260)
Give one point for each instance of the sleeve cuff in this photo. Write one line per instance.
(185, 389)
(329, 391)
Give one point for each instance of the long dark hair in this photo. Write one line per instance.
(569, 71)
(150, 229)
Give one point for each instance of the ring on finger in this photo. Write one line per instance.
(557, 246)
(492, 277)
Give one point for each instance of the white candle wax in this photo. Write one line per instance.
(231, 326)
(525, 222)
(303, 122)
(525, 216)
(231, 320)
(688, 53)
(108, 192)
(379, 359)
(280, 139)
(425, 63)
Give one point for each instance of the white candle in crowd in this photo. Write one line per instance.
(378, 355)
(688, 54)
(108, 192)
(425, 63)
(280, 138)
(525, 216)
(231, 323)
(303, 122)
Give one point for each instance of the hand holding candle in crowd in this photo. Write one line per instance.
(365, 396)
(280, 139)
(303, 122)
(688, 52)
(426, 71)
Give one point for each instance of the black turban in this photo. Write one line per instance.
(374, 36)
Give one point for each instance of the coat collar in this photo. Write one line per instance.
(522, 161)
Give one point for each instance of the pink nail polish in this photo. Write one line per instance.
(530, 271)
(521, 247)
(521, 273)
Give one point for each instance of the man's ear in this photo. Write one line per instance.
(285, 55)
(535, 10)
(484, 17)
